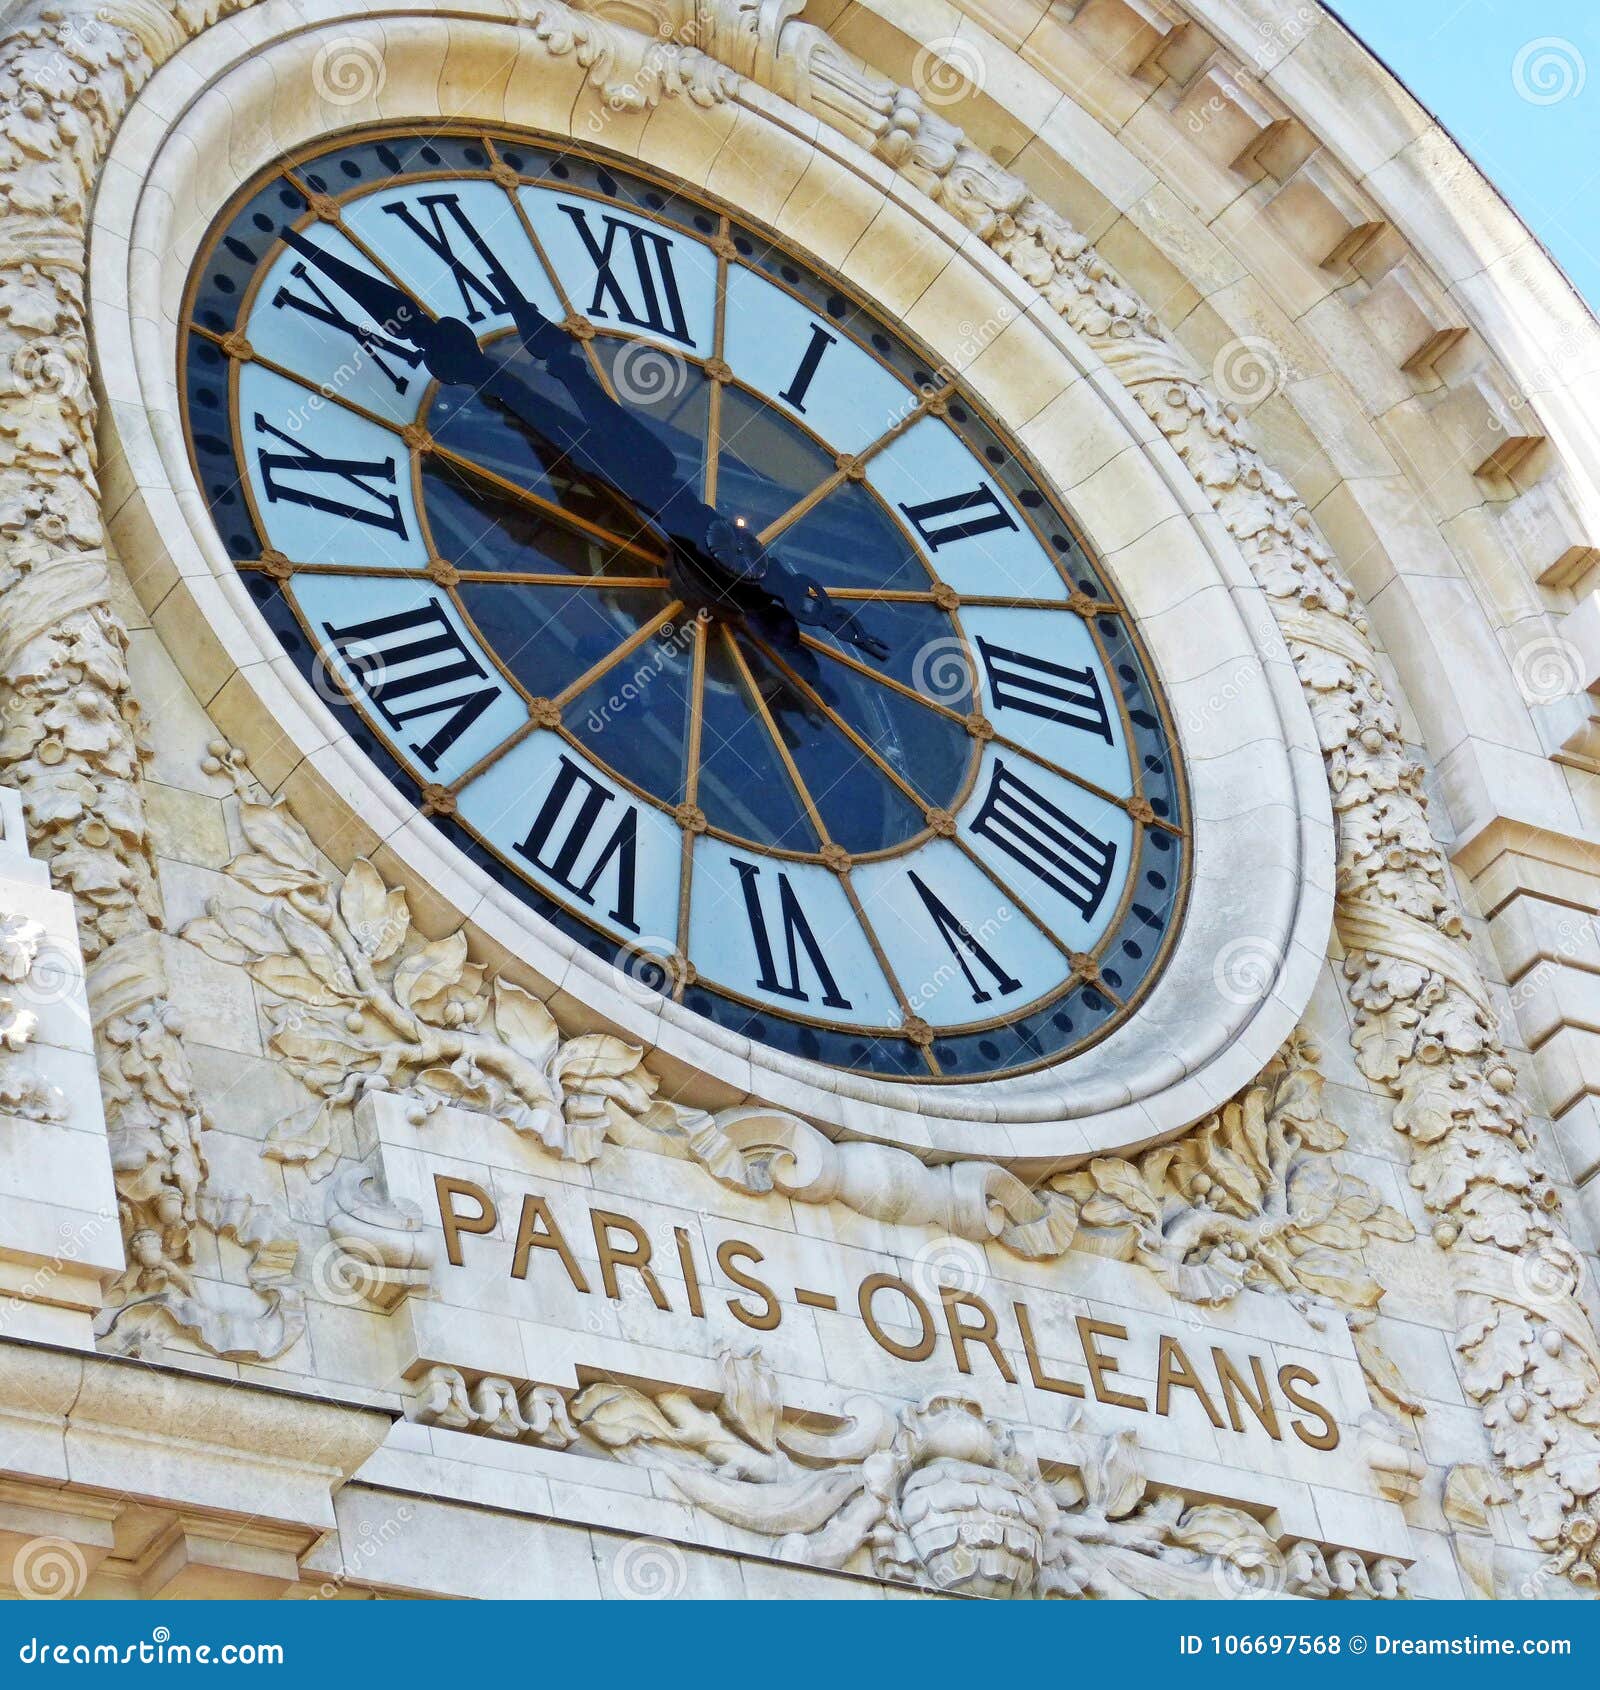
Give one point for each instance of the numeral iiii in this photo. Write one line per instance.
(1047, 842)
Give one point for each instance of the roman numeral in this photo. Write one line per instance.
(796, 937)
(958, 939)
(654, 302)
(800, 381)
(486, 280)
(380, 510)
(1047, 842)
(960, 517)
(380, 654)
(1041, 688)
(562, 837)
(377, 346)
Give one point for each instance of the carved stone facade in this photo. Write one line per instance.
(1326, 1331)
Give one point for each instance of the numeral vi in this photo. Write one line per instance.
(797, 943)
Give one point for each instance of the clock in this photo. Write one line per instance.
(689, 598)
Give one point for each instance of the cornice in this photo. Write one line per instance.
(1529, 1360)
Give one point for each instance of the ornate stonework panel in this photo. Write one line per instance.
(1167, 1246)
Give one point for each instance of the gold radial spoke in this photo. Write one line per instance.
(717, 367)
(888, 682)
(691, 818)
(579, 583)
(574, 689)
(470, 467)
(814, 698)
(510, 181)
(802, 790)
(947, 601)
(849, 469)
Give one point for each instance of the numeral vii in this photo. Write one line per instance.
(569, 842)
(963, 516)
(795, 936)
(1032, 831)
(650, 300)
(411, 666)
(1041, 688)
(377, 509)
(958, 939)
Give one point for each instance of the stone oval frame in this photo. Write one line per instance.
(1261, 898)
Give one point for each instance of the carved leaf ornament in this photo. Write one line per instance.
(73, 745)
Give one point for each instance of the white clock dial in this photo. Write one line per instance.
(813, 712)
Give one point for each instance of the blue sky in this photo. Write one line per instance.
(1517, 82)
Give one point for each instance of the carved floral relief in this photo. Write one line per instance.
(368, 1011)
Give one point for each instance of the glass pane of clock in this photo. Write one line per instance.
(702, 601)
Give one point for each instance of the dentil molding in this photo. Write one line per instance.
(1424, 1029)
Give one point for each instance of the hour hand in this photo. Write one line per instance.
(807, 601)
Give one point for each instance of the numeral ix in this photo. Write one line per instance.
(377, 509)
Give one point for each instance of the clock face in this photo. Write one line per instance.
(690, 600)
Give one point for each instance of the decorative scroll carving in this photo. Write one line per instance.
(1425, 1029)
(1250, 1196)
(494, 1407)
(945, 1497)
(631, 71)
(756, 1149)
(379, 1247)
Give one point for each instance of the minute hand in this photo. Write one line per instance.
(610, 444)
(624, 453)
